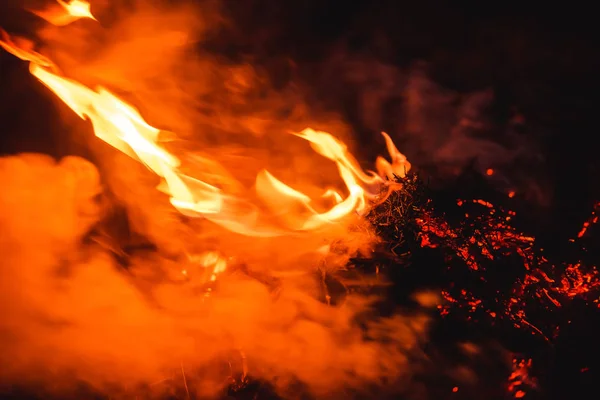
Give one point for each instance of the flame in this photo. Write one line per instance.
(23, 49)
(64, 13)
(212, 265)
(289, 210)
(399, 165)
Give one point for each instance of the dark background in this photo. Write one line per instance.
(541, 59)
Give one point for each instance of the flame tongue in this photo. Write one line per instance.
(399, 166)
(64, 13)
(289, 210)
(23, 50)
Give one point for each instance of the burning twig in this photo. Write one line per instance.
(187, 390)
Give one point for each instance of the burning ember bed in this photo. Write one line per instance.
(208, 234)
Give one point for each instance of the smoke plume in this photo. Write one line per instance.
(69, 310)
(443, 131)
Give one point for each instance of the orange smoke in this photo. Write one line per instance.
(69, 313)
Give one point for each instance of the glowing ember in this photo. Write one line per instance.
(592, 220)
(486, 235)
(520, 380)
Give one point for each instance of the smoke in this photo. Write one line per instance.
(69, 310)
(442, 131)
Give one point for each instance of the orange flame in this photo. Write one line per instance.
(399, 166)
(65, 13)
(121, 126)
(212, 264)
(23, 49)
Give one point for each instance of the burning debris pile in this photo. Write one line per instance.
(490, 274)
(162, 269)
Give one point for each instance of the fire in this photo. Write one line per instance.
(212, 263)
(399, 166)
(270, 207)
(65, 13)
(120, 125)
